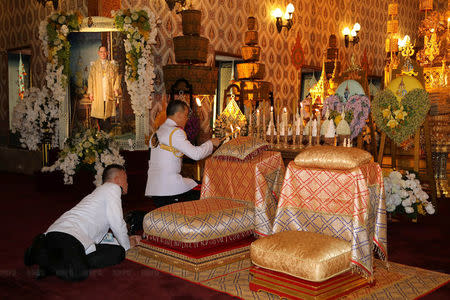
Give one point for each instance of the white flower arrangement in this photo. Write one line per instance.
(139, 27)
(93, 150)
(404, 195)
(35, 118)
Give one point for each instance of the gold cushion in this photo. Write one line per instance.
(306, 255)
(241, 148)
(194, 223)
(332, 158)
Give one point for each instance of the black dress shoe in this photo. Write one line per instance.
(31, 254)
(27, 258)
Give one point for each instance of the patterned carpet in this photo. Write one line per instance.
(399, 282)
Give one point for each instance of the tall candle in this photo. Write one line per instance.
(257, 117)
(314, 127)
(264, 120)
(297, 124)
(284, 117)
(271, 114)
(319, 119)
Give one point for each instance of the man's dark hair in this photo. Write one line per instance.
(175, 106)
(103, 46)
(110, 172)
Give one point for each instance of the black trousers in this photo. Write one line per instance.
(190, 195)
(63, 255)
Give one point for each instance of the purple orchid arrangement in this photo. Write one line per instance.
(192, 127)
(333, 103)
(357, 109)
(360, 106)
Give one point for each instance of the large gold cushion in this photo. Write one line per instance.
(333, 158)
(306, 255)
(241, 148)
(197, 223)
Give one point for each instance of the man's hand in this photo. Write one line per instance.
(216, 142)
(116, 93)
(91, 97)
(134, 240)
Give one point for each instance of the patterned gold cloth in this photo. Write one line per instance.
(345, 204)
(241, 148)
(256, 182)
(307, 255)
(195, 222)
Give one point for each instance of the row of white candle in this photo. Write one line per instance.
(284, 126)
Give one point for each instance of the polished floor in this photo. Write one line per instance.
(29, 204)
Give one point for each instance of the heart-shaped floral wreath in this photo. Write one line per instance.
(400, 119)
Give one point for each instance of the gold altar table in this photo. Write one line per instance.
(255, 182)
(348, 205)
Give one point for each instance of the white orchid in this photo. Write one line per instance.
(407, 202)
(140, 97)
(36, 116)
(85, 146)
(64, 30)
(409, 210)
(405, 194)
(430, 209)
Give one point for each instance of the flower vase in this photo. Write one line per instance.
(45, 147)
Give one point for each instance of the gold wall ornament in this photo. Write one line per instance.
(332, 82)
(407, 52)
(436, 77)
(393, 9)
(408, 49)
(392, 26)
(318, 91)
(432, 46)
(426, 5)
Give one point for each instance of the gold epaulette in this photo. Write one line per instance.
(169, 148)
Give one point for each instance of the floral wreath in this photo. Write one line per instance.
(139, 26)
(400, 118)
(92, 150)
(36, 117)
(356, 109)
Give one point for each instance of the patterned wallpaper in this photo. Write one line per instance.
(224, 23)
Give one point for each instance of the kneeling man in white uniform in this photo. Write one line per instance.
(79, 240)
(165, 185)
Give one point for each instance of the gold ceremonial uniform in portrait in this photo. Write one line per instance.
(103, 81)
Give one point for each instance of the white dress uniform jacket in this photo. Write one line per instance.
(92, 217)
(164, 166)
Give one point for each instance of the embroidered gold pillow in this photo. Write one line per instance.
(331, 157)
(307, 255)
(241, 148)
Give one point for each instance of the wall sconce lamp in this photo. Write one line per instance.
(44, 3)
(353, 33)
(277, 13)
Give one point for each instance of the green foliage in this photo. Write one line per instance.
(58, 45)
(415, 104)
